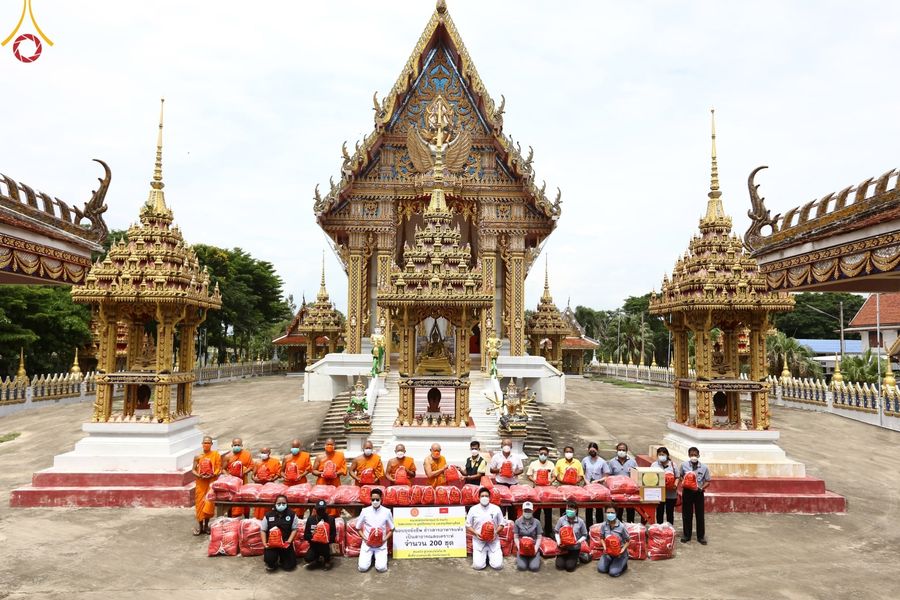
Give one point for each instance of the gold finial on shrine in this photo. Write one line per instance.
(157, 198)
(837, 378)
(75, 370)
(714, 210)
(441, 6)
(21, 373)
(546, 295)
(323, 293)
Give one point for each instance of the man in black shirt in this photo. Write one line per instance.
(287, 522)
(319, 553)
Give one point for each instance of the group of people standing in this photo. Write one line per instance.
(375, 523)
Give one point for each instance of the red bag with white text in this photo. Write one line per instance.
(455, 496)
(566, 536)
(263, 473)
(620, 484)
(637, 543)
(291, 472)
(542, 477)
(365, 494)
(250, 492)
(398, 495)
(425, 496)
(660, 541)
(321, 533)
(506, 469)
(329, 471)
(236, 469)
(224, 534)
(526, 547)
(452, 474)
(595, 537)
(549, 547)
(272, 490)
(487, 533)
(301, 546)
(690, 481)
(613, 545)
(345, 494)
(570, 476)
(376, 537)
(298, 494)
(522, 493)
(442, 495)
(575, 492)
(276, 539)
(401, 477)
(226, 485)
(470, 494)
(597, 492)
(352, 539)
(367, 477)
(204, 467)
(250, 542)
(321, 492)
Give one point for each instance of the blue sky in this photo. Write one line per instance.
(613, 96)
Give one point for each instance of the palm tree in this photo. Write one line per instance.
(781, 348)
(635, 333)
(863, 369)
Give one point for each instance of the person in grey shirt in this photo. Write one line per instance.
(622, 464)
(667, 506)
(527, 526)
(595, 471)
(692, 501)
(614, 565)
(570, 555)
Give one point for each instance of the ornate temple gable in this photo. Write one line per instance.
(439, 65)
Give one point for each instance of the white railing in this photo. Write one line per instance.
(861, 402)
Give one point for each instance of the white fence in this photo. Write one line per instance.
(67, 388)
(861, 402)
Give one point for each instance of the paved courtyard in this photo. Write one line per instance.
(149, 553)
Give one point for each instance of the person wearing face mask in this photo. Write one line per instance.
(595, 471)
(319, 553)
(667, 507)
(622, 464)
(476, 465)
(506, 474)
(400, 460)
(239, 463)
(527, 526)
(570, 554)
(436, 467)
(320, 469)
(542, 472)
(693, 501)
(569, 463)
(485, 551)
(612, 526)
(373, 518)
(296, 474)
(207, 466)
(266, 469)
(367, 469)
(279, 517)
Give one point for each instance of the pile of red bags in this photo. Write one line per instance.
(340, 535)
(250, 541)
(298, 494)
(637, 545)
(401, 477)
(501, 494)
(272, 490)
(507, 538)
(365, 494)
(597, 492)
(224, 534)
(421, 495)
(660, 541)
(549, 547)
(595, 538)
(575, 492)
(367, 477)
(522, 493)
(249, 492)
(548, 494)
(346, 494)
(226, 487)
(352, 539)
(321, 492)
(470, 494)
(620, 484)
(301, 546)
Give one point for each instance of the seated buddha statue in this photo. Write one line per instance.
(435, 358)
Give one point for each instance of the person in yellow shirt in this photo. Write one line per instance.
(565, 464)
(436, 467)
(366, 469)
(207, 466)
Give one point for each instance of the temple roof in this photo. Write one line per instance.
(888, 313)
(547, 320)
(321, 316)
(154, 266)
(715, 272)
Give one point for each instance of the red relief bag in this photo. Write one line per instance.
(522, 493)
(470, 494)
(329, 471)
(365, 494)
(542, 477)
(613, 545)
(660, 542)
(224, 534)
(204, 467)
(236, 469)
(263, 473)
(250, 542)
(401, 477)
(250, 492)
(622, 485)
(271, 491)
(487, 533)
(276, 539)
(570, 477)
(398, 495)
(566, 536)
(321, 492)
(690, 481)
(598, 492)
(575, 492)
(291, 472)
(367, 477)
(549, 547)
(452, 474)
(506, 469)
(298, 494)
(376, 537)
(455, 496)
(352, 539)
(442, 495)
(595, 537)
(526, 547)
(301, 546)
(507, 538)
(637, 544)
(346, 494)
(427, 496)
(415, 497)
(321, 533)
(670, 480)
(226, 485)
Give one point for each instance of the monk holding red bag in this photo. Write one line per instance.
(207, 465)
(366, 469)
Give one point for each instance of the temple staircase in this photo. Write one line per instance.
(333, 424)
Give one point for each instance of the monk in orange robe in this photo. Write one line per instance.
(207, 466)
(436, 467)
(400, 460)
(321, 464)
(300, 459)
(367, 461)
(238, 455)
(266, 469)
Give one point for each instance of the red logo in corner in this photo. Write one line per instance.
(31, 50)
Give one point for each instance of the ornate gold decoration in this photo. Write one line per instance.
(547, 327)
(715, 284)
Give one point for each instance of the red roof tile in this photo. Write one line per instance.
(578, 343)
(889, 308)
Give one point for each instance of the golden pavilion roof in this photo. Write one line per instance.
(715, 272)
(155, 265)
(547, 320)
(320, 316)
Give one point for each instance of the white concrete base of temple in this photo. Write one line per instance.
(733, 453)
(333, 374)
(544, 380)
(133, 448)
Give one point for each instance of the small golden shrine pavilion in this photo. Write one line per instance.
(716, 285)
(546, 328)
(153, 286)
(576, 344)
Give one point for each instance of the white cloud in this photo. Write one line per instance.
(613, 96)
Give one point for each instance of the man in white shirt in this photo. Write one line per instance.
(506, 468)
(485, 551)
(372, 518)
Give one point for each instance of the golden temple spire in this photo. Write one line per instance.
(75, 370)
(714, 210)
(21, 374)
(157, 199)
(547, 278)
(323, 293)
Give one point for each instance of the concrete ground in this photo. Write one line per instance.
(149, 553)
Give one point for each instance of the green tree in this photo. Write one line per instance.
(781, 347)
(45, 322)
(863, 369)
(806, 322)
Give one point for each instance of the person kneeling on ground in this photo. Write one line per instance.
(570, 533)
(320, 533)
(279, 553)
(375, 526)
(615, 559)
(528, 540)
(483, 523)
